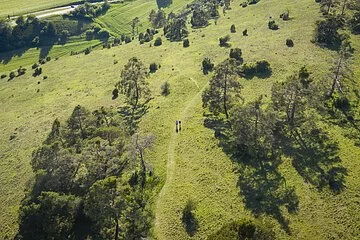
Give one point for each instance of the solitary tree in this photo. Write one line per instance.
(134, 24)
(223, 88)
(133, 82)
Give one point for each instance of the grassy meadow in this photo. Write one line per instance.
(190, 164)
(15, 8)
(119, 17)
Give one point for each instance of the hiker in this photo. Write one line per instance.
(177, 124)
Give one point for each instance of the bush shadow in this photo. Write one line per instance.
(5, 57)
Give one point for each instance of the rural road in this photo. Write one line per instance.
(56, 11)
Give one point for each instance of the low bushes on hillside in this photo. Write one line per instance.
(224, 41)
(272, 25)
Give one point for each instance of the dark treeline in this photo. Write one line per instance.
(88, 10)
(92, 180)
(28, 32)
(31, 32)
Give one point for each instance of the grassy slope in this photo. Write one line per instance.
(191, 162)
(13, 8)
(26, 57)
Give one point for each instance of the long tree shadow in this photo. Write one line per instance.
(318, 162)
(133, 117)
(5, 57)
(163, 3)
(44, 51)
(260, 182)
(265, 192)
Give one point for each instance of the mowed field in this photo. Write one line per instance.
(190, 164)
(119, 17)
(18, 7)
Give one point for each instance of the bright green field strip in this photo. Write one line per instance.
(12, 60)
(118, 18)
(14, 8)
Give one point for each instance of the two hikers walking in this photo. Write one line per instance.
(178, 125)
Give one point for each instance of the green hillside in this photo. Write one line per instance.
(190, 164)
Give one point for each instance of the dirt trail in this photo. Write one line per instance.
(171, 163)
(56, 11)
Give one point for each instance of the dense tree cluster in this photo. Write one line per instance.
(157, 18)
(90, 181)
(202, 12)
(28, 31)
(355, 22)
(175, 29)
(88, 10)
(326, 31)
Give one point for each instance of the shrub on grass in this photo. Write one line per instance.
(127, 39)
(186, 43)
(189, 219)
(233, 29)
(253, 2)
(260, 68)
(21, 71)
(87, 51)
(224, 41)
(153, 67)
(326, 31)
(165, 89)
(207, 65)
(236, 53)
(89, 34)
(272, 25)
(103, 34)
(37, 72)
(117, 41)
(12, 75)
(115, 93)
(48, 58)
(285, 16)
(289, 43)
(244, 4)
(35, 65)
(3, 76)
(158, 42)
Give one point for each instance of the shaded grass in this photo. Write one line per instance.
(27, 56)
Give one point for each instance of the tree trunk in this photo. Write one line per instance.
(336, 77)
(116, 229)
(344, 7)
(225, 95)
